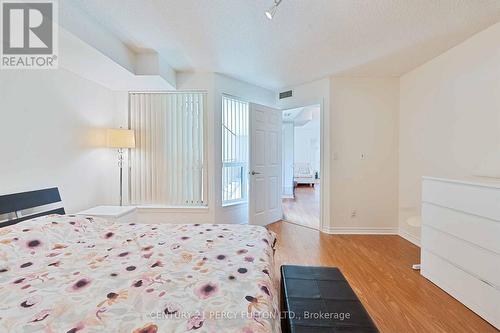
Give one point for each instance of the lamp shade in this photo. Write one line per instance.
(120, 138)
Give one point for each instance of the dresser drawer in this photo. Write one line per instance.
(470, 198)
(478, 230)
(472, 292)
(476, 261)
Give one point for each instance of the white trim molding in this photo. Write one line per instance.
(360, 231)
(325, 165)
(409, 237)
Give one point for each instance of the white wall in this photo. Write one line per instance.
(147, 64)
(90, 50)
(287, 158)
(249, 93)
(317, 92)
(364, 120)
(450, 119)
(52, 122)
(79, 23)
(307, 142)
(50, 135)
(215, 85)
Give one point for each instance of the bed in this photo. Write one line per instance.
(62, 273)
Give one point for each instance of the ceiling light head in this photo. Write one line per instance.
(272, 10)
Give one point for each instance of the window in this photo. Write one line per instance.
(234, 150)
(167, 167)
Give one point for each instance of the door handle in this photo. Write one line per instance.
(253, 173)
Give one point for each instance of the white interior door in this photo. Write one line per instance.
(265, 165)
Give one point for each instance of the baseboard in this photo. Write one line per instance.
(409, 237)
(360, 231)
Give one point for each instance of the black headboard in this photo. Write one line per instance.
(18, 207)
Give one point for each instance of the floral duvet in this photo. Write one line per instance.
(76, 274)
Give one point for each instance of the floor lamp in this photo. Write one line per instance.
(121, 139)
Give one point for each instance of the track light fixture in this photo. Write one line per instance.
(272, 10)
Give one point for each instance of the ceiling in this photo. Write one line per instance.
(307, 39)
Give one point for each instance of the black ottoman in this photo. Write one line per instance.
(319, 300)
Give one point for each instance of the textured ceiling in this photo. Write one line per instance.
(307, 40)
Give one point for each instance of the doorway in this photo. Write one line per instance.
(271, 163)
(251, 161)
(301, 161)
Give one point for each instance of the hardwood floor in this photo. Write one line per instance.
(304, 208)
(378, 268)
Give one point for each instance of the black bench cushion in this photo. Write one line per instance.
(319, 299)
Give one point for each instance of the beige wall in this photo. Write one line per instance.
(364, 120)
(450, 119)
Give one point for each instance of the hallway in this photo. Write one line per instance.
(304, 209)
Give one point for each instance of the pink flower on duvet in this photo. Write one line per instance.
(33, 243)
(80, 284)
(206, 290)
(172, 308)
(149, 328)
(249, 259)
(40, 316)
(195, 322)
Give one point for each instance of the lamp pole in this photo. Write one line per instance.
(121, 139)
(120, 165)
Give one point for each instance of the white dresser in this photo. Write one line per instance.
(460, 242)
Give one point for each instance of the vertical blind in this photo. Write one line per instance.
(167, 167)
(234, 149)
